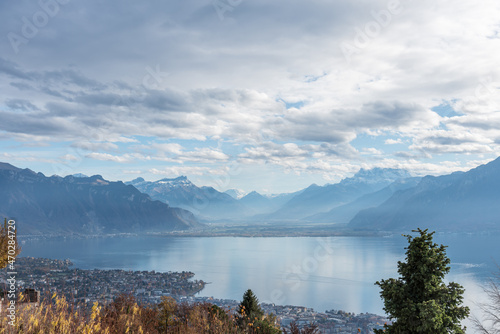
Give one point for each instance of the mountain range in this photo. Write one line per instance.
(316, 199)
(86, 205)
(461, 201)
(344, 213)
(204, 202)
(209, 204)
(377, 199)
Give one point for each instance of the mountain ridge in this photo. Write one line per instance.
(315, 199)
(465, 201)
(83, 205)
(205, 202)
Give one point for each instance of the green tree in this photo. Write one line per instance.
(249, 306)
(419, 301)
(252, 319)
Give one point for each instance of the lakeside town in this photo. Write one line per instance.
(48, 276)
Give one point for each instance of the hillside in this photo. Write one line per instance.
(45, 205)
(344, 213)
(316, 199)
(456, 202)
(204, 202)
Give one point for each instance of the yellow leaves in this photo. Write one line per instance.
(55, 315)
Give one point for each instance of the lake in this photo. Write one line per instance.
(323, 273)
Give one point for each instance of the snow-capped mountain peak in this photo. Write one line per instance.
(377, 175)
(178, 181)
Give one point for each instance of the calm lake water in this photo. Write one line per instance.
(323, 273)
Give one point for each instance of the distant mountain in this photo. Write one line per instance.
(317, 199)
(344, 213)
(265, 204)
(235, 193)
(80, 175)
(456, 202)
(205, 202)
(258, 203)
(45, 205)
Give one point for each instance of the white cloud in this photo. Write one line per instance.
(371, 151)
(95, 146)
(391, 141)
(180, 170)
(68, 157)
(132, 172)
(160, 82)
(109, 157)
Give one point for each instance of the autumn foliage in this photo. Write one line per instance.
(55, 315)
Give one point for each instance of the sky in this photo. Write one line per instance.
(253, 95)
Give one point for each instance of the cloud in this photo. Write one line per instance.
(68, 157)
(205, 155)
(392, 141)
(20, 104)
(115, 158)
(132, 172)
(371, 151)
(180, 170)
(449, 141)
(95, 146)
(108, 77)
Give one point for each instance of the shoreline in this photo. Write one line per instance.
(241, 233)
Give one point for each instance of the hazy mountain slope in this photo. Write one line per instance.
(260, 204)
(457, 202)
(235, 193)
(206, 202)
(344, 213)
(44, 205)
(317, 199)
(257, 202)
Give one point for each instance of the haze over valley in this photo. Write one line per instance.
(371, 200)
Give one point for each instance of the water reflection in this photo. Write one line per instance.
(323, 273)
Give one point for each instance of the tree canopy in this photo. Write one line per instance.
(249, 306)
(252, 319)
(419, 301)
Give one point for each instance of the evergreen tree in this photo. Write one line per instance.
(252, 319)
(419, 301)
(249, 306)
